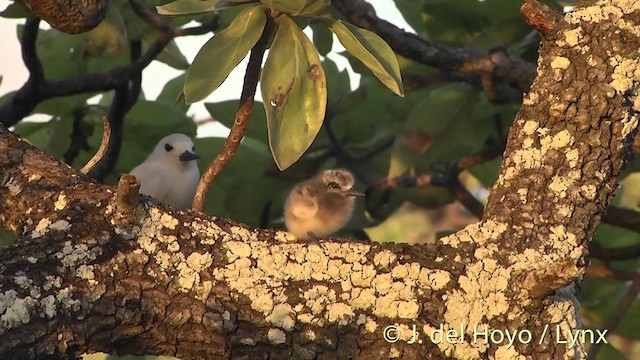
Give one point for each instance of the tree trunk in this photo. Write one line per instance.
(97, 269)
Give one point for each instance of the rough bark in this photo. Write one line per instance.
(70, 16)
(90, 274)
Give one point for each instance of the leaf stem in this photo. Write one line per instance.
(241, 121)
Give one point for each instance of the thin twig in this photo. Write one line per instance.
(124, 99)
(241, 121)
(39, 89)
(104, 144)
(624, 218)
(612, 323)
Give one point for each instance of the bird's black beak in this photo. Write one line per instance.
(188, 156)
(353, 193)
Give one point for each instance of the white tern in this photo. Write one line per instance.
(170, 173)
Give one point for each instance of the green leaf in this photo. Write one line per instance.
(322, 39)
(294, 90)
(182, 7)
(172, 89)
(369, 48)
(222, 53)
(15, 10)
(297, 7)
(170, 55)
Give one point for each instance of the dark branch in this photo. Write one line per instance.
(505, 72)
(124, 99)
(241, 121)
(33, 92)
(629, 252)
(624, 218)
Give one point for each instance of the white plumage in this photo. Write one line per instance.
(170, 173)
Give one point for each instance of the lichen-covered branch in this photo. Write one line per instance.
(84, 276)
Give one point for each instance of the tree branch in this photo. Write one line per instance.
(499, 71)
(32, 93)
(241, 121)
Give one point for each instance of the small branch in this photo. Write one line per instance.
(543, 18)
(603, 270)
(612, 323)
(33, 92)
(123, 101)
(624, 218)
(29, 52)
(509, 73)
(104, 144)
(150, 18)
(414, 82)
(614, 253)
(127, 197)
(241, 121)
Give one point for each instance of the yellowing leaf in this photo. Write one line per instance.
(294, 90)
(182, 7)
(297, 7)
(222, 53)
(369, 48)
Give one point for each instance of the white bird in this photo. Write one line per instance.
(170, 173)
(321, 206)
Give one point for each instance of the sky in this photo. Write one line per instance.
(14, 73)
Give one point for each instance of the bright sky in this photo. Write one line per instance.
(157, 74)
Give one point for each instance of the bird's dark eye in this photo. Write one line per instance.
(168, 147)
(193, 148)
(334, 185)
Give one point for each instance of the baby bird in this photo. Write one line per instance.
(170, 173)
(321, 206)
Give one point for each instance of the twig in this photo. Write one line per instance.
(414, 82)
(106, 135)
(509, 71)
(124, 99)
(614, 253)
(241, 121)
(39, 89)
(616, 317)
(79, 136)
(604, 270)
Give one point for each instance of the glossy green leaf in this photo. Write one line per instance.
(222, 53)
(182, 7)
(369, 48)
(297, 7)
(294, 90)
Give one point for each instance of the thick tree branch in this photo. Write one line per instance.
(241, 121)
(499, 71)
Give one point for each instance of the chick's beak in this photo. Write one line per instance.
(188, 156)
(352, 192)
